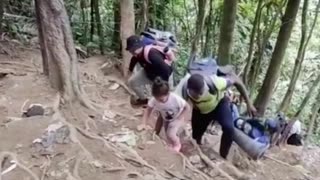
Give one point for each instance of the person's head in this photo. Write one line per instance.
(160, 90)
(134, 45)
(196, 86)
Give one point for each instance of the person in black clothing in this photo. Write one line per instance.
(151, 68)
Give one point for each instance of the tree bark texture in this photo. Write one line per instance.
(42, 42)
(62, 57)
(199, 25)
(226, 31)
(127, 29)
(116, 42)
(99, 25)
(208, 38)
(273, 72)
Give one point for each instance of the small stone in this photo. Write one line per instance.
(114, 86)
(150, 142)
(34, 110)
(195, 159)
(97, 164)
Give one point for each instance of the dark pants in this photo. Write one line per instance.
(222, 113)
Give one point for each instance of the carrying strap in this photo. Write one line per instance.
(212, 88)
(169, 56)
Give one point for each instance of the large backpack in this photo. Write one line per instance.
(168, 38)
(206, 67)
(163, 36)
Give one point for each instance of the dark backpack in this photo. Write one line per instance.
(206, 67)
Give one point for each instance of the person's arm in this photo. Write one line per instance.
(133, 62)
(184, 112)
(146, 115)
(237, 82)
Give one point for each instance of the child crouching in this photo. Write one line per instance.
(172, 109)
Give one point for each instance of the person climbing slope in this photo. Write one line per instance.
(153, 62)
(206, 93)
(172, 108)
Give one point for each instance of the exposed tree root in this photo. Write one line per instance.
(45, 168)
(13, 156)
(210, 163)
(189, 165)
(76, 168)
(121, 83)
(302, 171)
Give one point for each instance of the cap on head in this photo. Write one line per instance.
(133, 43)
(196, 83)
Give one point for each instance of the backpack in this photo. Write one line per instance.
(206, 67)
(153, 35)
(166, 51)
(163, 36)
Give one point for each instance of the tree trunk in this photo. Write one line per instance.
(83, 5)
(42, 42)
(308, 96)
(261, 44)
(127, 29)
(2, 4)
(92, 20)
(226, 31)
(99, 26)
(252, 38)
(208, 38)
(315, 114)
(277, 56)
(301, 54)
(199, 24)
(116, 44)
(63, 73)
(144, 14)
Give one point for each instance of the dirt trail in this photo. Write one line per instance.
(144, 158)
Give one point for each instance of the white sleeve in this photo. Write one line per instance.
(178, 90)
(180, 101)
(296, 128)
(152, 102)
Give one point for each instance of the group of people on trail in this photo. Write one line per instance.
(206, 92)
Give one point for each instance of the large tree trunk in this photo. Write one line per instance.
(314, 116)
(99, 26)
(308, 96)
(144, 13)
(116, 42)
(199, 25)
(208, 39)
(226, 31)
(63, 73)
(42, 42)
(272, 75)
(252, 38)
(301, 54)
(92, 20)
(127, 29)
(2, 4)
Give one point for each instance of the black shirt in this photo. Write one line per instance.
(156, 67)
